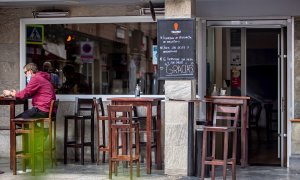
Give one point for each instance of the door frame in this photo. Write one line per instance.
(253, 22)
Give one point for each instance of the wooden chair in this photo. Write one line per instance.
(32, 146)
(102, 146)
(254, 117)
(84, 112)
(228, 114)
(51, 121)
(121, 124)
(28, 127)
(271, 121)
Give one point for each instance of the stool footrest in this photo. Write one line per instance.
(79, 144)
(4, 127)
(124, 158)
(103, 148)
(218, 162)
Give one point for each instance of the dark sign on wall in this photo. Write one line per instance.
(176, 48)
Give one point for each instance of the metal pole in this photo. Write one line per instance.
(191, 151)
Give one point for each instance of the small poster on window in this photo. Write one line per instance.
(154, 54)
(235, 57)
(235, 77)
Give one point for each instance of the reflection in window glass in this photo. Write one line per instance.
(96, 58)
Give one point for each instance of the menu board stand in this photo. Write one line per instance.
(176, 49)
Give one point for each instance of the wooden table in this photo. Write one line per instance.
(11, 101)
(148, 103)
(234, 100)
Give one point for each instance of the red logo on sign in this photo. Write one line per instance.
(176, 25)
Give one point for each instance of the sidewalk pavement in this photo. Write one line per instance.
(91, 171)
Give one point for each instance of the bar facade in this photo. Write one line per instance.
(211, 17)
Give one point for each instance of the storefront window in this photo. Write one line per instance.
(99, 58)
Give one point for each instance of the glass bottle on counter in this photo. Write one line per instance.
(214, 91)
(137, 91)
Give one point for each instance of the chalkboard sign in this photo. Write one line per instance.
(176, 48)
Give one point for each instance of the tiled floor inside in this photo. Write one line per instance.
(91, 171)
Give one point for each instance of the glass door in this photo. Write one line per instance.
(263, 86)
(247, 58)
(282, 94)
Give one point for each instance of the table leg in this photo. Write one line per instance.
(209, 107)
(124, 139)
(158, 139)
(191, 157)
(12, 129)
(244, 138)
(13, 151)
(148, 144)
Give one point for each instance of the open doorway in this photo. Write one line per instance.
(250, 61)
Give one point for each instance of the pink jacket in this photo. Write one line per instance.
(40, 90)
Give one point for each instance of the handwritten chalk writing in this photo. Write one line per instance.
(181, 47)
(164, 47)
(172, 42)
(167, 37)
(174, 47)
(169, 51)
(179, 69)
(173, 58)
(185, 37)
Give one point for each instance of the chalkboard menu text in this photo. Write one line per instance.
(176, 48)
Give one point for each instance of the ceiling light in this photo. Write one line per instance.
(48, 14)
(147, 11)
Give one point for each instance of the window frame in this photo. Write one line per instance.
(75, 20)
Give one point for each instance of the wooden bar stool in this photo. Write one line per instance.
(155, 132)
(51, 122)
(229, 115)
(121, 124)
(101, 119)
(84, 112)
(34, 129)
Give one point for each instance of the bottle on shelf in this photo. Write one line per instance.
(137, 91)
(214, 90)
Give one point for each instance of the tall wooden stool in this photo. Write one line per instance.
(102, 146)
(155, 132)
(34, 129)
(84, 112)
(121, 125)
(229, 115)
(51, 122)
